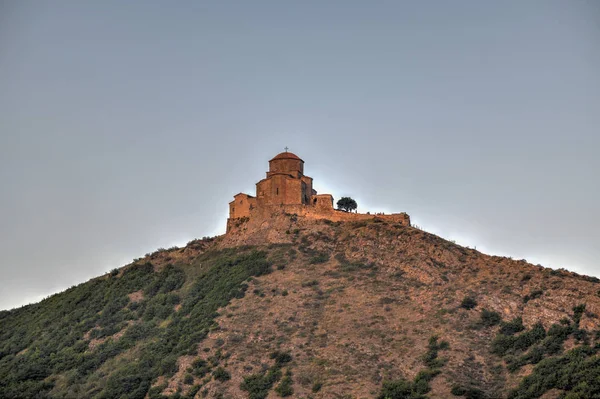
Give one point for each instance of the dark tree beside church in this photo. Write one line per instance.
(346, 204)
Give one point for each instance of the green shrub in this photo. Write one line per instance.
(316, 387)
(489, 318)
(512, 327)
(398, 389)
(259, 385)
(468, 303)
(504, 344)
(220, 374)
(533, 295)
(285, 387)
(578, 313)
(281, 358)
(403, 389)
(193, 391)
(468, 392)
(200, 368)
(348, 266)
(320, 257)
(431, 356)
(575, 373)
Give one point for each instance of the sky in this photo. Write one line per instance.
(129, 126)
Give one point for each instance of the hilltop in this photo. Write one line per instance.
(311, 308)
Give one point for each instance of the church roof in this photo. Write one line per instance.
(286, 155)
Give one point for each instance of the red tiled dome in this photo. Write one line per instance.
(286, 155)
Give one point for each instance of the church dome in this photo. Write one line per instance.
(286, 155)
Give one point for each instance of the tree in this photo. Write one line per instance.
(346, 204)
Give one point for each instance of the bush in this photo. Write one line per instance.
(285, 387)
(467, 392)
(575, 373)
(281, 358)
(504, 344)
(533, 295)
(348, 266)
(578, 313)
(431, 356)
(398, 389)
(489, 318)
(316, 387)
(320, 257)
(200, 368)
(220, 374)
(468, 303)
(258, 385)
(512, 327)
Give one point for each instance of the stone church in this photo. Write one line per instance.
(287, 190)
(285, 187)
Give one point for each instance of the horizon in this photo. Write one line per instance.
(219, 234)
(129, 127)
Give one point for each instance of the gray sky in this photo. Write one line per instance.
(128, 126)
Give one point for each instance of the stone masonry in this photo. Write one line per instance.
(286, 189)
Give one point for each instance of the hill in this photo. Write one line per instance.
(311, 309)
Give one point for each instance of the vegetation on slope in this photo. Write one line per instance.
(416, 389)
(44, 351)
(347, 313)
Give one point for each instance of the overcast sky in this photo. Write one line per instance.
(128, 126)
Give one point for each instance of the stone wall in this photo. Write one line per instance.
(241, 206)
(261, 214)
(280, 189)
(286, 166)
(323, 202)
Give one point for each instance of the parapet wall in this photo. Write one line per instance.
(259, 215)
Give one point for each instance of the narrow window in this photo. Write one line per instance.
(277, 191)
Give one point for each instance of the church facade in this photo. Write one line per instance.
(284, 187)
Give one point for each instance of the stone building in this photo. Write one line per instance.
(286, 189)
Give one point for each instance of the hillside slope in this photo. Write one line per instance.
(311, 309)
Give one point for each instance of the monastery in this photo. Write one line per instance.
(286, 189)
